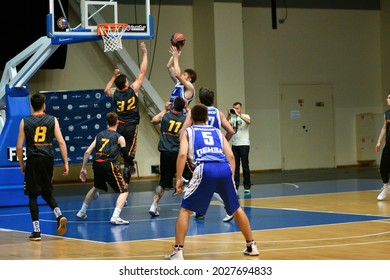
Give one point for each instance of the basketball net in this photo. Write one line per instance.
(112, 35)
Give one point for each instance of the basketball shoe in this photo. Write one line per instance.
(251, 250)
(177, 254)
(61, 225)
(118, 221)
(385, 191)
(81, 215)
(153, 211)
(228, 218)
(35, 236)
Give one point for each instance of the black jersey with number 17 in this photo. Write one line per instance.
(171, 123)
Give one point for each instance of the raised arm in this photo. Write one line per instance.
(173, 64)
(136, 85)
(108, 90)
(158, 118)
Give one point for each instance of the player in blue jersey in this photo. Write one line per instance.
(184, 82)
(208, 148)
(217, 119)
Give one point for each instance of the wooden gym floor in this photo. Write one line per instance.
(319, 214)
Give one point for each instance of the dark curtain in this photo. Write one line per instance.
(21, 24)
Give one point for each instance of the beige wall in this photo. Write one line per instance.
(342, 47)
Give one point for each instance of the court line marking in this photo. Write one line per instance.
(290, 184)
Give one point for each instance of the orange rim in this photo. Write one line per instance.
(104, 27)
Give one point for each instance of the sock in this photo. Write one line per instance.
(57, 212)
(117, 212)
(178, 247)
(36, 226)
(84, 208)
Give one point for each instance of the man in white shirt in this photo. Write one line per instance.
(241, 145)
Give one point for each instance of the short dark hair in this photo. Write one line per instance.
(199, 113)
(120, 81)
(37, 100)
(237, 103)
(206, 96)
(192, 74)
(111, 118)
(179, 104)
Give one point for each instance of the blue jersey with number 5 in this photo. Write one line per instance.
(205, 144)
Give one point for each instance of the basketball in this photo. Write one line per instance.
(178, 40)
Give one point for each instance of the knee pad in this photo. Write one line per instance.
(159, 191)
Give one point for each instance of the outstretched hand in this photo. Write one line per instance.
(174, 51)
(117, 72)
(143, 47)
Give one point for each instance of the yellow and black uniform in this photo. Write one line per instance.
(169, 145)
(39, 131)
(105, 166)
(127, 108)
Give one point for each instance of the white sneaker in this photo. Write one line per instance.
(252, 250)
(177, 254)
(228, 218)
(385, 191)
(153, 211)
(81, 215)
(118, 221)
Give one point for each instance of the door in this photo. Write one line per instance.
(307, 126)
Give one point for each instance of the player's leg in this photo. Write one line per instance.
(92, 194)
(181, 231)
(47, 165)
(167, 173)
(384, 169)
(237, 156)
(130, 133)
(115, 180)
(245, 228)
(245, 168)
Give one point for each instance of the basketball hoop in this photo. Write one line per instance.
(112, 35)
